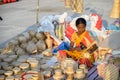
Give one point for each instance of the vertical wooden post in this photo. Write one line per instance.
(37, 14)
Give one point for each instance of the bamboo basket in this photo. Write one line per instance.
(79, 6)
(73, 5)
(115, 12)
(67, 3)
(111, 72)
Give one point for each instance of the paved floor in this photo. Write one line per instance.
(19, 16)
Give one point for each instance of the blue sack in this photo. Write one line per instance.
(62, 46)
(113, 27)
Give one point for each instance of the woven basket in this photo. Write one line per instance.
(73, 5)
(115, 12)
(67, 3)
(79, 6)
(111, 72)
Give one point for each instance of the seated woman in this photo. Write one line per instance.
(80, 41)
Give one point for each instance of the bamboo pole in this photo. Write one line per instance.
(37, 14)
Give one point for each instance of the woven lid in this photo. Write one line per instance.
(24, 65)
(10, 78)
(8, 73)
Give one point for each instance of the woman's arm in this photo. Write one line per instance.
(74, 47)
(71, 46)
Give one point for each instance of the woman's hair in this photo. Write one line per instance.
(80, 21)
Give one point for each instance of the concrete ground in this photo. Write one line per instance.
(19, 16)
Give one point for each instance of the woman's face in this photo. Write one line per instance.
(81, 28)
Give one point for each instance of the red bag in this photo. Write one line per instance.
(99, 21)
(69, 31)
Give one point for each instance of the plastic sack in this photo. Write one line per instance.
(68, 19)
(62, 17)
(52, 61)
(96, 21)
(117, 22)
(62, 46)
(86, 17)
(113, 27)
(56, 18)
(46, 24)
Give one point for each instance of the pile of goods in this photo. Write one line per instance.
(22, 55)
(13, 66)
(28, 55)
(26, 43)
(67, 70)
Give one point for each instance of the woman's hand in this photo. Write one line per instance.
(72, 48)
(77, 48)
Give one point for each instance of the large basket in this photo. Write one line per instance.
(115, 12)
(111, 72)
(67, 3)
(77, 5)
(73, 5)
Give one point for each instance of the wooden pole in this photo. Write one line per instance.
(37, 14)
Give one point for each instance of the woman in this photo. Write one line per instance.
(80, 41)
